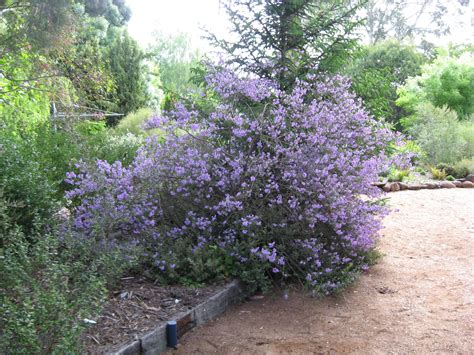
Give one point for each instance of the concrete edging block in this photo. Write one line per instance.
(155, 341)
(130, 349)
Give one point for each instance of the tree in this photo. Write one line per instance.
(173, 58)
(84, 64)
(408, 19)
(47, 25)
(125, 63)
(289, 36)
(448, 81)
(47, 39)
(116, 12)
(378, 71)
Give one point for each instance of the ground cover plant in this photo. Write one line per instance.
(270, 183)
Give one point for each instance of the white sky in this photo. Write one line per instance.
(174, 16)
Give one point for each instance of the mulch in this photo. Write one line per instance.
(137, 307)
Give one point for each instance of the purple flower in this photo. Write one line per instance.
(278, 184)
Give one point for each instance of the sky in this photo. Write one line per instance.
(174, 16)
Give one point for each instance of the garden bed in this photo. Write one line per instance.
(136, 308)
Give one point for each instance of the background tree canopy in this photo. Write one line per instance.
(378, 71)
(63, 49)
(447, 81)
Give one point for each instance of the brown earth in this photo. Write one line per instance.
(418, 299)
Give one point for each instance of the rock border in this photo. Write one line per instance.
(154, 342)
(400, 186)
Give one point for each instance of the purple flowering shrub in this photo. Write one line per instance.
(270, 185)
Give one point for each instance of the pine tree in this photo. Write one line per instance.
(127, 68)
(290, 36)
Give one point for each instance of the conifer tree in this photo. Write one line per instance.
(291, 36)
(127, 68)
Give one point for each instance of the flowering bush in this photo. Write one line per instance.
(269, 185)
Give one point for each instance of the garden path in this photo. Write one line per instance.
(418, 299)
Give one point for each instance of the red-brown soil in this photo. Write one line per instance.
(418, 299)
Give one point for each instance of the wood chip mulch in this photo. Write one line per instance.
(137, 307)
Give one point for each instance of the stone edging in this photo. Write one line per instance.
(400, 186)
(154, 342)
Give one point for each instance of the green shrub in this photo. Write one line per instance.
(132, 123)
(449, 169)
(25, 181)
(421, 170)
(397, 175)
(438, 174)
(466, 133)
(45, 294)
(111, 147)
(442, 137)
(450, 178)
(378, 71)
(90, 128)
(464, 168)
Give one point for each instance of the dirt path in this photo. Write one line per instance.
(419, 299)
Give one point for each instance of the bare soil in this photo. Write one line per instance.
(418, 299)
(136, 308)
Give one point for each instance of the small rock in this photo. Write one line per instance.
(467, 184)
(385, 290)
(447, 185)
(457, 183)
(470, 178)
(395, 187)
(415, 187)
(432, 185)
(403, 186)
(387, 187)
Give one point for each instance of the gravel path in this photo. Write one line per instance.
(419, 299)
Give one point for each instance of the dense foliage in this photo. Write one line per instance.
(73, 50)
(269, 180)
(448, 81)
(125, 62)
(441, 135)
(51, 281)
(46, 291)
(439, 106)
(377, 73)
